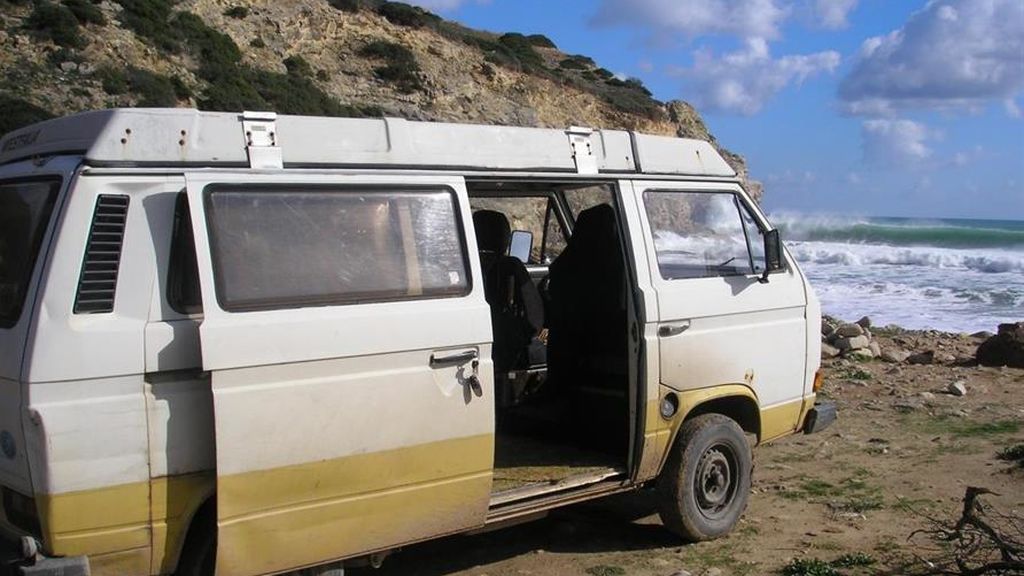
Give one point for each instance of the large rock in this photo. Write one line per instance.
(1005, 348)
(855, 343)
(828, 351)
(850, 330)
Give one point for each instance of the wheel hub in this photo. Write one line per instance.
(715, 481)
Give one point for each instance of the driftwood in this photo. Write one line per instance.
(983, 542)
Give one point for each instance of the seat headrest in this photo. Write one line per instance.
(596, 228)
(492, 231)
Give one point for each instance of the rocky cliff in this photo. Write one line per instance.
(333, 57)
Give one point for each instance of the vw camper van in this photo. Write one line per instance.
(250, 344)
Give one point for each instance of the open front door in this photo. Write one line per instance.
(718, 323)
(350, 359)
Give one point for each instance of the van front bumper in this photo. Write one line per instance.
(820, 417)
(22, 558)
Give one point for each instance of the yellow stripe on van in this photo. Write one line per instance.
(273, 520)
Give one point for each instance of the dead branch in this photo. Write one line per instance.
(983, 542)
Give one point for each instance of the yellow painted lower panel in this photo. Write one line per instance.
(781, 420)
(126, 563)
(275, 520)
(95, 521)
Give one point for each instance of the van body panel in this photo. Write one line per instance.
(295, 485)
(14, 458)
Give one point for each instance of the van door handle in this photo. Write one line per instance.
(669, 330)
(452, 360)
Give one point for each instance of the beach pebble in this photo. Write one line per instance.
(894, 355)
(922, 357)
(958, 388)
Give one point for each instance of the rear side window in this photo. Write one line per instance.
(183, 273)
(25, 211)
(298, 247)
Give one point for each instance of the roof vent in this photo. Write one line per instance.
(98, 282)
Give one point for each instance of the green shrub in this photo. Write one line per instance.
(257, 43)
(346, 5)
(57, 23)
(86, 12)
(297, 66)
(604, 73)
(523, 49)
(154, 90)
(151, 19)
(216, 52)
(402, 14)
(239, 12)
(16, 112)
(573, 63)
(323, 76)
(113, 80)
(541, 41)
(400, 66)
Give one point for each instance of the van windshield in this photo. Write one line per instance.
(25, 210)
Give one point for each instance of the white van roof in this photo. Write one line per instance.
(184, 137)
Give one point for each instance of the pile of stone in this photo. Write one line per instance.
(848, 340)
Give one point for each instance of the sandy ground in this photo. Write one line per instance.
(903, 448)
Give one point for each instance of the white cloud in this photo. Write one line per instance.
(832, 14)
(694, 18)
(895, 142)
(953, 54)
(742, 81)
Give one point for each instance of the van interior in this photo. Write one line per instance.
(555, 277)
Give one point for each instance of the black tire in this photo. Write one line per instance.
(199, 554)
(704, 487)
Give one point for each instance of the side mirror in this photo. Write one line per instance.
(772, 254)
(521, 246)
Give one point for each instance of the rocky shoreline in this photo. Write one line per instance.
(895, 345)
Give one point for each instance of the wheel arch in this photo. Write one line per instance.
(735, 401)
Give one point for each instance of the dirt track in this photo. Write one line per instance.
(902, 448)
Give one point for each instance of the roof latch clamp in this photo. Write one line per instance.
(260, 130)
(582, 150)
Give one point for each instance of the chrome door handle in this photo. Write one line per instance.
(669, 330)
(452, 359)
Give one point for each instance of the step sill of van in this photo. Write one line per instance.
(546, 488)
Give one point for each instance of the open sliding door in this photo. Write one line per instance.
(349, 352)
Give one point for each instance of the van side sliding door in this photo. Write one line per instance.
(717, 323)
(349, 346)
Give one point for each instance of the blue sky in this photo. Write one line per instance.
(858, 107)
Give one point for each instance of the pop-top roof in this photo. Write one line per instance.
(183, 137)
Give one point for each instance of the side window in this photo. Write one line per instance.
(298, 247)
(25, 210)
(699, 234)
(536, 215)
(183, 272)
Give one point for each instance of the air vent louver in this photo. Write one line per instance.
(98, 281)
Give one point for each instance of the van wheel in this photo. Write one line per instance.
(199, 554)
(704, 487)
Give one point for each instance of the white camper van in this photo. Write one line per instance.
(251, 344)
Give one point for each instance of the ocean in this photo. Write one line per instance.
(953, 275)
